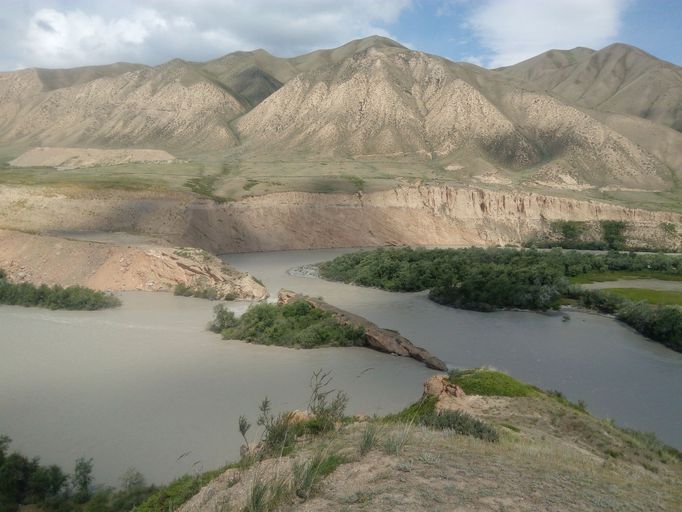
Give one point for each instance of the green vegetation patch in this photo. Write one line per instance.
(54, 297)
(26, 484)
(171, 496)
(622, 275)
(490, 279)
(296, 324)
(650, 296)
(486, 382)
(461, 423)
(423, 412)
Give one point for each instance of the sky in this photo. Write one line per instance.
(490, 33)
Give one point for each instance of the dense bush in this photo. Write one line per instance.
(296, 324)
(409, 270)
(599, 300)
(488, 279)
(660, 323)
(54, 297)
(25, 481)
(613, 233)
(490, 286)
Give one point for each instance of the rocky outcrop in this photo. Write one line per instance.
(383, 340)
(112, 267)
(409, 215)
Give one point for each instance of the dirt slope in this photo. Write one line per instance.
(51, 260)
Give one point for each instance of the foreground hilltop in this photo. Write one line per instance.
(477, 440)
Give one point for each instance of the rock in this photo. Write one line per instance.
(383, 340)
(439, 386)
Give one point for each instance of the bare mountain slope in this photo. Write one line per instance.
(172, 105)
(388, 100)
(372, 98)
(618, 78)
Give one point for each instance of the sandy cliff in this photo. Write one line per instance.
(414, 215)
(52, 260)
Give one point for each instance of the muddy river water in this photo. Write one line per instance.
(145, 385)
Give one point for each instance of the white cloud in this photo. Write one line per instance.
(515, 30)
(61, 33)
(473, 59)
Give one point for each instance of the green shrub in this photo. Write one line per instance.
(489, 287)
(488, 279)
(296, 324)
(307, 475)
(368, 439)
(461, 423)
(613, 233)
(199, 292)
(54, 297)
(660, 323)
(224, 319)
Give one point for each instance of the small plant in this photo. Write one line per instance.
(279, 433)
(244, 427)
(257, 499)
(429, 458)
(319, 405)
(396, 441)
(368, 439)
(307, 475)
(669, 228)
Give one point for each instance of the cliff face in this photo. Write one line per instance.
(423, 215)
(410, 215)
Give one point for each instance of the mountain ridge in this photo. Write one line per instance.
(551, 117)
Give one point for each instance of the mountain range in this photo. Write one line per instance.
(566, 118)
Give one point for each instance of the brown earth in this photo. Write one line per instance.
(111, 267)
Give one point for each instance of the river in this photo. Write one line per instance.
(617, 372)
(146, 385)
